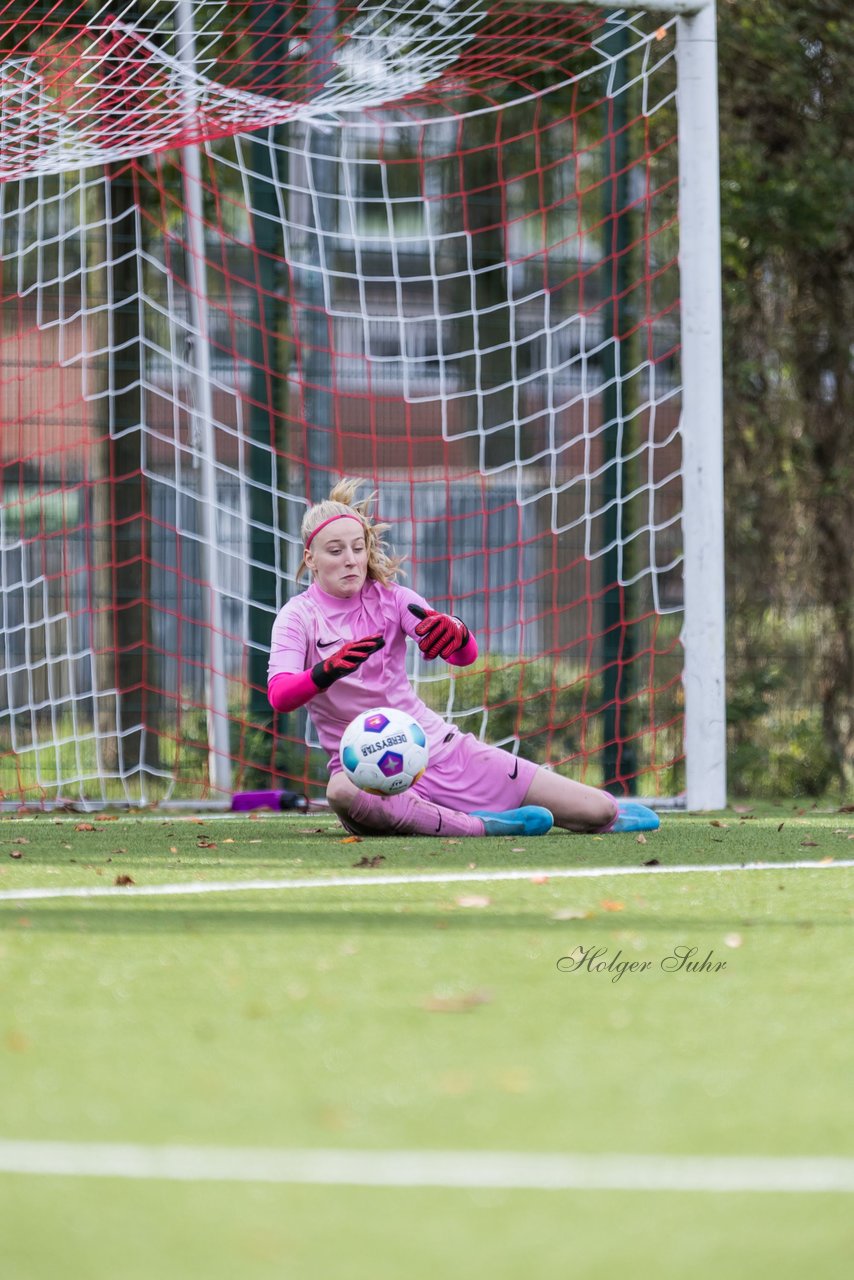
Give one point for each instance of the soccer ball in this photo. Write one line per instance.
(384, 751)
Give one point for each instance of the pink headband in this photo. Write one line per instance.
(343, 516)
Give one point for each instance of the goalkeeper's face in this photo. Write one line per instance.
(338, 559)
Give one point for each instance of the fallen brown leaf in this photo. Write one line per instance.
(124, 879)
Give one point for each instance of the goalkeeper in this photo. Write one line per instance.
(341, 645)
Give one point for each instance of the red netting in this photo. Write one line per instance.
(446, 263)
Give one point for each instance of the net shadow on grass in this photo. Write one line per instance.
(449, 920)
(546, 853)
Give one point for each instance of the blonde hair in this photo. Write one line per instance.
(383, 566)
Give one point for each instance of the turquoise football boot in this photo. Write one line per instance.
(530, 820)
(634, 816)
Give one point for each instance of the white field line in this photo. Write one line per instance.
(510, 1170)
(537, 875)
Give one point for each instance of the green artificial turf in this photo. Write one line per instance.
(425, 1017)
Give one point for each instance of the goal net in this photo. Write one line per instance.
(249, 248)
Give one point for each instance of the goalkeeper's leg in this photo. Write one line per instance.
(577, 807)
(409, 813)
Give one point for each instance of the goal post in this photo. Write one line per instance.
(467, 252)
(702, 412)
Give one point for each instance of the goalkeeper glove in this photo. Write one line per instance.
(439, 634)
(344, 661)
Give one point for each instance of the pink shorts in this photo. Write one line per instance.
(467, 775)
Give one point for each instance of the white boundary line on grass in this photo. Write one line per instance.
(510, 1170)
(536, 874)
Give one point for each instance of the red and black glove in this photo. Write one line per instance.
(439, 634)
(344, 661)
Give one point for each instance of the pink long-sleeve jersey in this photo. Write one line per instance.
(311, 626)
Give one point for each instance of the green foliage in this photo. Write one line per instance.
(782, 759)
(776, 737)
(555, 712)
(541, 702)
(268, 761)
(787, 168)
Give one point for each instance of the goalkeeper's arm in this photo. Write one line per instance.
(288, 690)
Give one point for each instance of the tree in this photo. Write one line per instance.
(787, 159)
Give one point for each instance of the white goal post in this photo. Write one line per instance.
(702, 411)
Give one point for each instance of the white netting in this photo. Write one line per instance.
(158, 78)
